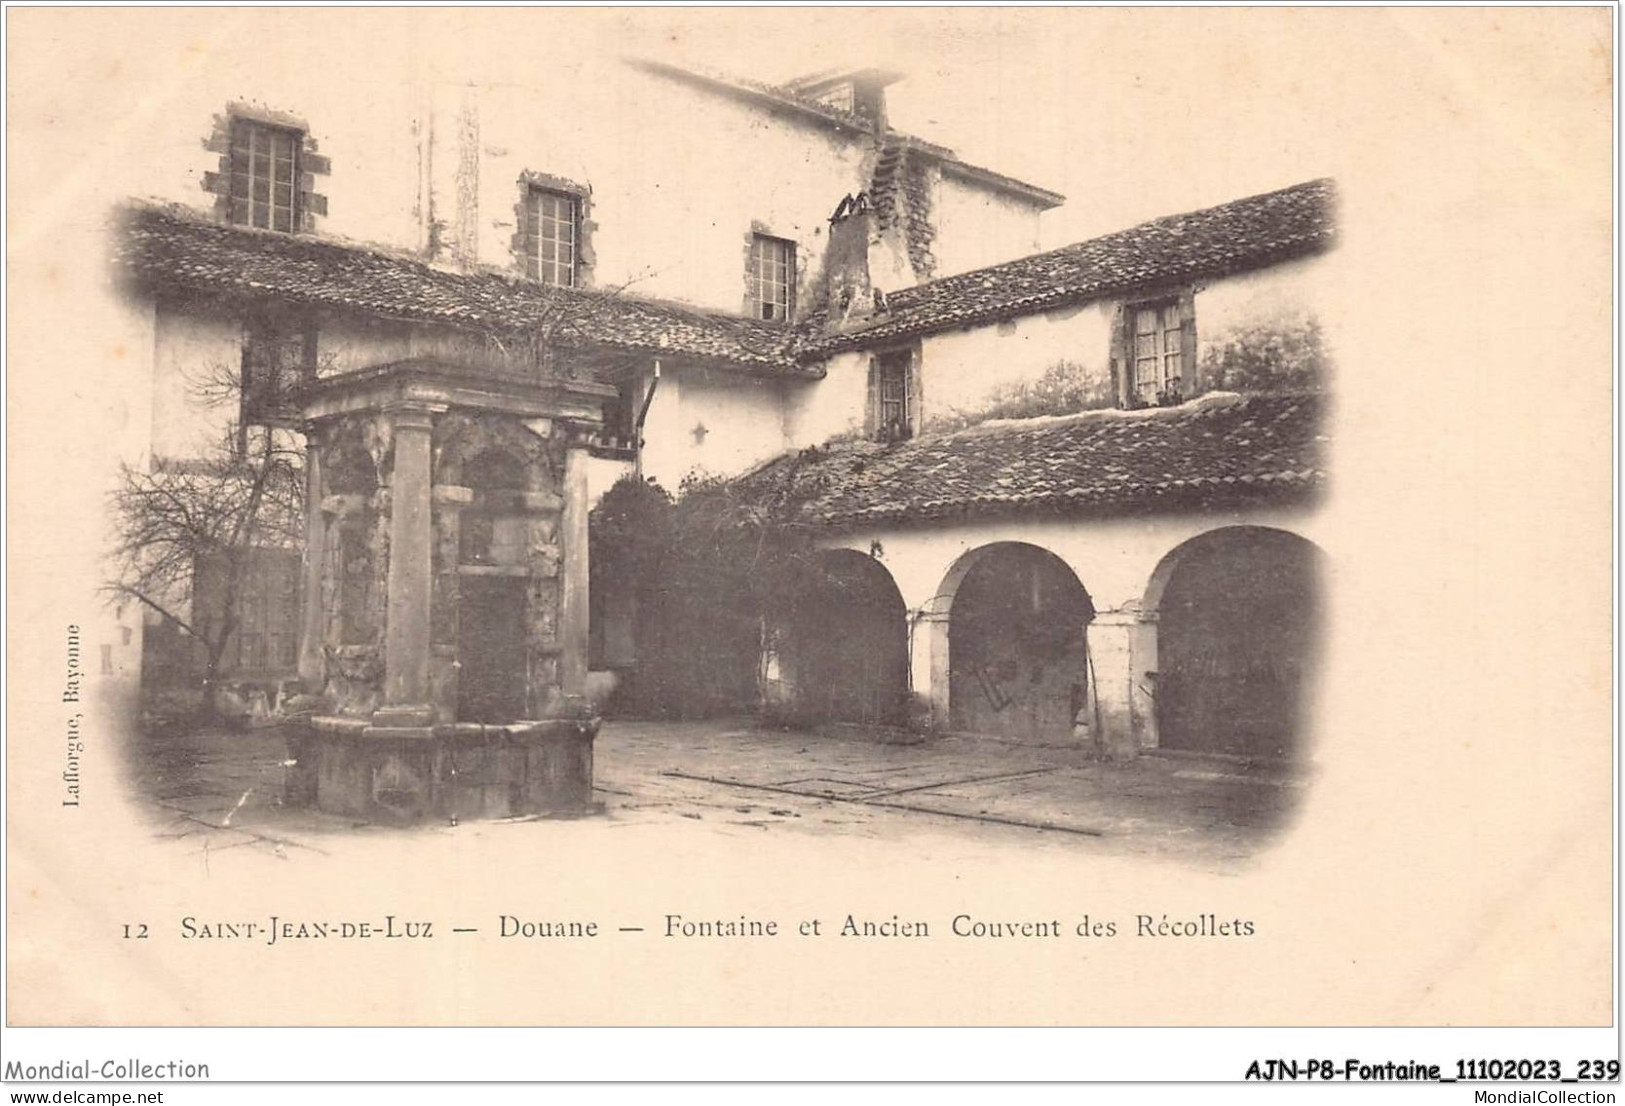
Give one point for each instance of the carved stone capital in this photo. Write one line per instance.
(409, 415)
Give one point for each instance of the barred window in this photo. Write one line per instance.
(264, 175)
(551, 226)
(772, 276)
(1157, 343)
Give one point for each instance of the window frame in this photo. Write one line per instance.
(274, 407)
(242, 207)
(759, 279)
(536, 219)
(895, 362)
(1173, 344)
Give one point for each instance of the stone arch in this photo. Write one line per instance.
(349, 462)
(495, 469)
(847, 655)
(496, 563)
(350, 470)
(460, 438)
(1235, 624)
(494, 478)
(1009, 644)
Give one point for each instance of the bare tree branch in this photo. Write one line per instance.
(211, 513)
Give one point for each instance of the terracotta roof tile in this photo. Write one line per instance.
(1217, 450)
(170, 248)
(1215, 241)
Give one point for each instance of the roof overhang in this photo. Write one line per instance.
(824, 80)
(760, 95)
(1041, 198)
(434, 383)
(796, 100)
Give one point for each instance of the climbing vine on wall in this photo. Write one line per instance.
(705, 570)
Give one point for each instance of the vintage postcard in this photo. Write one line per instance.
(809, 517)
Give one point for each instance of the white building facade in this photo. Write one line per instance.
(744, 271)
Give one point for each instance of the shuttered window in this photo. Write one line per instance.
(1157, 341)
(894, 395)
(268, 633)
(266, 636)
(264, 175)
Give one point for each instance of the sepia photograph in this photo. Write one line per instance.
(809, 517)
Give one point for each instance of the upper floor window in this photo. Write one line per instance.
(277, 359)
(552, 225)
(619, 437)
(772, 277)
(1156, 343)
(894, 398)
(264, 175)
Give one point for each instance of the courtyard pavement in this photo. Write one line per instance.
(221, 791)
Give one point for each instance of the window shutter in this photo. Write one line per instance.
(1122, 383)
(871, 421)
(916, 413)
(1194, 384)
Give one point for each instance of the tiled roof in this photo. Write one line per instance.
(170, 248)
(1215, 241)
(1222, 449)
(181, 251)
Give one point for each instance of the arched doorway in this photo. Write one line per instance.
(1238, 641)
(351, 544)
(1017, 646)
(852, 643)
(492, 586)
